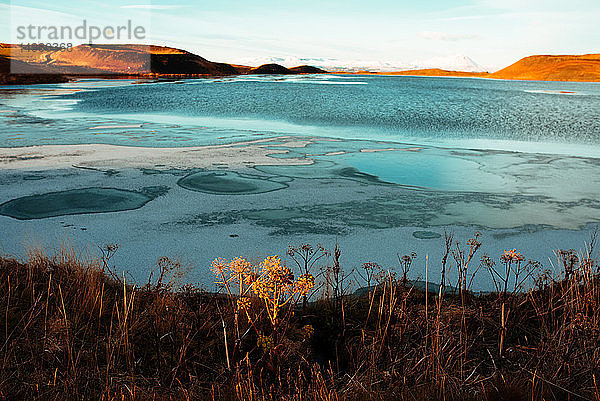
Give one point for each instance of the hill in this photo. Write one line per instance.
(148, 60)
(584, 68)
(307, 69)
(270, 69)
(428, 72)
(553, 68)
(279, 69)
(117, 59)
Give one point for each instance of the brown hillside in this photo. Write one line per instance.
(553, 68)
(117, 59)
(140, 59)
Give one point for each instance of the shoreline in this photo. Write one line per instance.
(455, 74)
(167, 77)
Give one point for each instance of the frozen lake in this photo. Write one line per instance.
(247, 166)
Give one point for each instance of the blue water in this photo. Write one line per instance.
(398, 109)
(394, 107)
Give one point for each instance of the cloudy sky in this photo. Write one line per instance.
(494, 33)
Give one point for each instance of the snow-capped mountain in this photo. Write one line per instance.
(458, 62)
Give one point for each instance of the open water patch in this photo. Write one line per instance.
(426, 235)
(78, 201)
(229, 183)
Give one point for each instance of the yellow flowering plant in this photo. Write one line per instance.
(277, 287)
(232, 275)
(271, 281)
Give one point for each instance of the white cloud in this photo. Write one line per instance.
(450, 37)
(18, 10)
(152, 6)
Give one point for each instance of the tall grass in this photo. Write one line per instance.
(72, 328)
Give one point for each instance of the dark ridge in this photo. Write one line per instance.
(30, 79)
(30, 74)
(307, 69)
(188, 63)
(270, 69)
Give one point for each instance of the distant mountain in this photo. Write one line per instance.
(270, 69)
(273, 68)
(553, 68)
(458, 62)
(136, 60)
(289, 61)
(307, 69)
(584, 68)
(22, 65)
(432, 72)
(328, 64)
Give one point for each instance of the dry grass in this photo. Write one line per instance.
(71, 329)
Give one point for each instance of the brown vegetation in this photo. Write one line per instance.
(71, 328)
